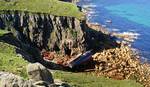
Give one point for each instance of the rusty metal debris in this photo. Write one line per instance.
(81, 58)
(67, 61)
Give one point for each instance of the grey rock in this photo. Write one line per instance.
(38, 72)
(60, 83)
(41, 84)
(11, 80)
(49, 32)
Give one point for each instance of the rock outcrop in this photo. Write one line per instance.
(53, 33)
(46, 31)
(11, 80)
(38, 73)
(39, 76)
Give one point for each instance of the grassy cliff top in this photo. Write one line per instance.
(53, 7)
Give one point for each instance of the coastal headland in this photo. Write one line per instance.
(51, 33)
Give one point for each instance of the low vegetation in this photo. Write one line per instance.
(53, 7)
(9, 60)
(86, 80)
(2, 32)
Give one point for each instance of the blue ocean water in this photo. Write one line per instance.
(126, 16)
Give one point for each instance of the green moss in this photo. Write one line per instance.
(10, 61)
(53, 7)
(86, 80)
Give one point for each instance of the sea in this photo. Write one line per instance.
(126, 16)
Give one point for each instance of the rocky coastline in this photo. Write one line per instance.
(121, 62)
(66, 37)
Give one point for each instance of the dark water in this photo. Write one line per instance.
(126, 16)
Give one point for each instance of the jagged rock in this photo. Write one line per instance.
(122, 63)
(39, 74)
(36, 79)
(43, 30)
(54, 33)
(116, 63)
(11, 80)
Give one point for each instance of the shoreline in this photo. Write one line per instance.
(141, 67)
(100, 14)
(122, 37)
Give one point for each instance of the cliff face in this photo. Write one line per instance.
(52, 33)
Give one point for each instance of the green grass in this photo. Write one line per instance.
(53, 7)
(2, 32)
(87, 80)
(10, 62)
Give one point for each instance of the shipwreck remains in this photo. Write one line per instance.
(81, 58)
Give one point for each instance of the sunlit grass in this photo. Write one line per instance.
(88, 80)
(10, 61)
(53, 7)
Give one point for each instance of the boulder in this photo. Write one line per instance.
(11, 80)
(38, 73)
